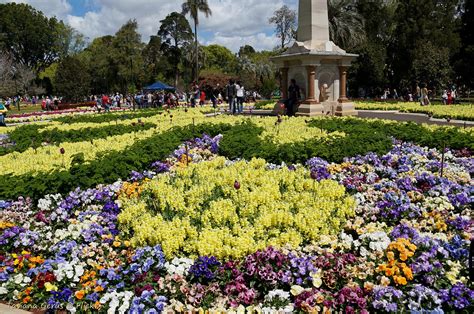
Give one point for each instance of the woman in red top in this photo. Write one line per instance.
(203, 98)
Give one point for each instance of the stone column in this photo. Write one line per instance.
(284, 83)
(311, 106)
(344, 106)
(343, 84)
(311, 70)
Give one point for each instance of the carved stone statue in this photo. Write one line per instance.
(323, 93)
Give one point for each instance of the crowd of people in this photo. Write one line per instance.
(234, 93)
(420, 94)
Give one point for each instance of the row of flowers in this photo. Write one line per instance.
(460, 112)
(405, 249)
(49, 158)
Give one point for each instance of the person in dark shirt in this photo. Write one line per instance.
(294, 97)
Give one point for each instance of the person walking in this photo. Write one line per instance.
(202, 98)
(444, 97)
(215, 96)
(294, 95)
(231, 93)
(424, 98)
(240, 97)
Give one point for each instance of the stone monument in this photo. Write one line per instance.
(317, 64)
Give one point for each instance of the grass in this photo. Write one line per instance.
(24, 108)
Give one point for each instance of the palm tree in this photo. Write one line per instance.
(193, 7)
(346, 25)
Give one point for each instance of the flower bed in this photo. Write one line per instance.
(459, 112)
(405, 250)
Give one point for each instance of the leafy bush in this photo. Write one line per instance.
(28, 136)
(107, 168)
(239, 141)
(108, 117)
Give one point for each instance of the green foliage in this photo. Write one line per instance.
(239, 141)
(346, 25)
(464, 65)
(127, 58)
(423, 27)
(175, 33)
(29, 36)
(72, 80)
(106, 169)
(31, 136)
(243, 141)
(109, 117)
(220, 58)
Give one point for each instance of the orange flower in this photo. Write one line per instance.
(26, 299)
(400, 280)
(28, 290)
(80, 294)
(97, 305)
(389, 272)
(390, 256)
(98, 289)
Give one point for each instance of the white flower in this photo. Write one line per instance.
(71, 308)
(3, 290)
(18, 279)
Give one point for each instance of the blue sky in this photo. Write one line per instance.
(233, 23)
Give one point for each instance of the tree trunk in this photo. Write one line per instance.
(176, 77)
(197, 52)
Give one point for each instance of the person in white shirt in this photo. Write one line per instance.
(240, 97)
(150, 100)
(445, 97)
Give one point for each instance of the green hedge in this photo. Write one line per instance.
(435, 137)
(239, 141)
(110, 117)
(27, 136)
(243, 141)
(107, 168)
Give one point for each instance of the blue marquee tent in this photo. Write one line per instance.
(158, 86)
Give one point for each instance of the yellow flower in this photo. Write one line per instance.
(317, 280)
(50, 287)
(296, 290)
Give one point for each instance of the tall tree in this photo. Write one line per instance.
(220, 58)
(368, 75)
(72, 79)
(465, 64)
(69, 41)
(246, 51)
(431, 23)
(154, 59)
(284, 20)
(29, 36)
(175, 32)
(128, 57)
(346, 25)
(99, 59)
(193, 8)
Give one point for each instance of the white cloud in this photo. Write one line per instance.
(233, 23)
(58, 8)
(260, 41)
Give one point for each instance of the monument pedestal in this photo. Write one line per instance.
(345, 109)
(317, 64)
(310, 109)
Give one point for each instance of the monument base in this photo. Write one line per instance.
(310, 109)
(345, 109)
